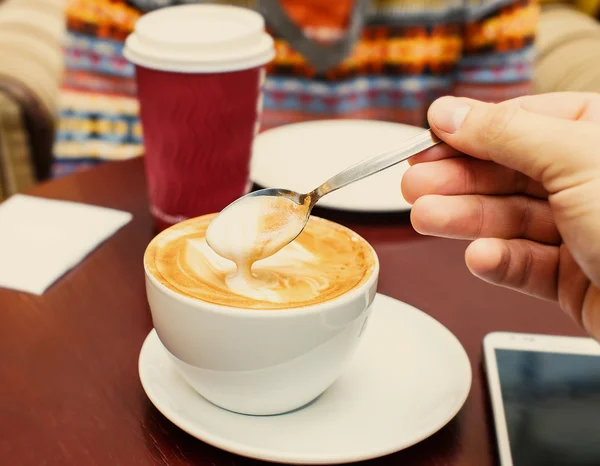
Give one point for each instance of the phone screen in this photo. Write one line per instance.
(552, 407)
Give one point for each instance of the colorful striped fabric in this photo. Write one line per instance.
(407, 54)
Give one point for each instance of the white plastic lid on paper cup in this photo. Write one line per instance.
(200, 39)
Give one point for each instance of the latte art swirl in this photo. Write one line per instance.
(324, 262)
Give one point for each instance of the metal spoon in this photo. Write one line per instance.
(356, 172)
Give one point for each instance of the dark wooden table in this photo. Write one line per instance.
(69, 387)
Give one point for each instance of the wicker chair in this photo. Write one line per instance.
(30, 70)
(568, 48)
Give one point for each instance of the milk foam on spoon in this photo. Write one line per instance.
(251, 230)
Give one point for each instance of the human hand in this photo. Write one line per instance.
(521, 179)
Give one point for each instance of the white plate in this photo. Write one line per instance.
(409, 378)
(301, 156)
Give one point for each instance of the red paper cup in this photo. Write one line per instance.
(199, 72)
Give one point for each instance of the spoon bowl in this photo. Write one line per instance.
(280, 214)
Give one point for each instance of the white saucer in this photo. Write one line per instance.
(409, 377)
(301, 156)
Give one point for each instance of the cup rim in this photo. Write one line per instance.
(291, 312)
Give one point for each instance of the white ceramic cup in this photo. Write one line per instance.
(260, 362)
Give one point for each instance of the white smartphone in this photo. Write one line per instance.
(545, 398)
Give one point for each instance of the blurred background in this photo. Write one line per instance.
(68, 97)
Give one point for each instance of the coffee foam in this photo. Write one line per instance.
(325, 261)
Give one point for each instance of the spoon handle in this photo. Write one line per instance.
(375, 164)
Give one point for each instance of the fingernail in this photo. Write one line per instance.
(448, 114)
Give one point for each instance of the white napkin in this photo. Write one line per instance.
(41, 239)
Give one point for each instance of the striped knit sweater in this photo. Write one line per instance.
(406, 54)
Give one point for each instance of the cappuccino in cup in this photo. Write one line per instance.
(323, 263)
(268, 343)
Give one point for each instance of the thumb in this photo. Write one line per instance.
(557, 152)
